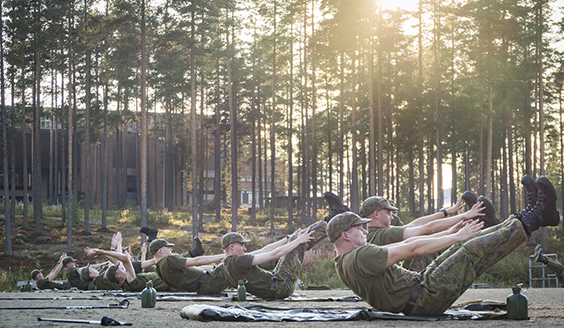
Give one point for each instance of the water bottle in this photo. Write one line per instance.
(149, 296)
(517, 305)
(242, 291)
(27, 287)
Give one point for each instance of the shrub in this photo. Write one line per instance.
(321, 273)
(159, 219)
(128, 217)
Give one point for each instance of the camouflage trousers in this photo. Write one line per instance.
(214, 281)
(285, 274)
(420, 263)
(289, 268)
(454, 271)
(558, 268)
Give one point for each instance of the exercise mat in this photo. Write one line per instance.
(208, 312)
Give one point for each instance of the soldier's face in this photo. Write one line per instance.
(39, 276)
(70, 265)
(239, 248)
(120, 273)
(166, 250)
(384, 217)
(93, 273)
(357, 236)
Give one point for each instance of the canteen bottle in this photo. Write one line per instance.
(242, 291)
(517, 305)
(149, 296)
(27, 287)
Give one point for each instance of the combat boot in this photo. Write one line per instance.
(489, 219)
(319, 229)
(197, 248)
(532, 191)
(546, 202)
(539, 257)
(336, 205)
(469, 198)
(530, 219)
(150, 232)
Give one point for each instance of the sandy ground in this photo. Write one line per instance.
(546, 309)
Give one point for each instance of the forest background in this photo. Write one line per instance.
(351, 96)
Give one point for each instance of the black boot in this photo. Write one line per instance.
(546, 202)
(469, 198)
(530, 219)
(489, 219)
(532, 191)
(336, 205)
(197, 248)
(150, 232)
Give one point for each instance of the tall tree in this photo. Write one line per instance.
(5, 141)
(37, 113)
(143, 146)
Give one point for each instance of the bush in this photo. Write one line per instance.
(321, 273)
(158, 219)
(128, 217)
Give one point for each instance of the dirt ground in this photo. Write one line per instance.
(546, 309)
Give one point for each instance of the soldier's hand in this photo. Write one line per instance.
(472, 228)
(456, 207)
(91, 252)
(476, 210)
(455, 228)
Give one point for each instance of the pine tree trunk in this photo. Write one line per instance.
(87, 149)
(193, 138)
(24, 146)
(37, 181)
(143, 145)
(217, 151)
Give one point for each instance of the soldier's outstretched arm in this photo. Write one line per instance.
(124, 258)
(270, 246)
(303, 237)
(203, 260)
(438, 215)
(57, 267)
(415, 247)
(442, 224)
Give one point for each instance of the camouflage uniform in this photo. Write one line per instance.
(281, 282)
(140, 282)
(457, 268)
(102, 283)
(441, 283)
(45, 283)
(278, 284)
(74, 279)
(191, 279)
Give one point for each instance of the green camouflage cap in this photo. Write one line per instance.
(34, 273)
(343, 222)
(85, 274)
(231, 238)
(375, 203)
(157, 244)
(68, 260)
(111, 273)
